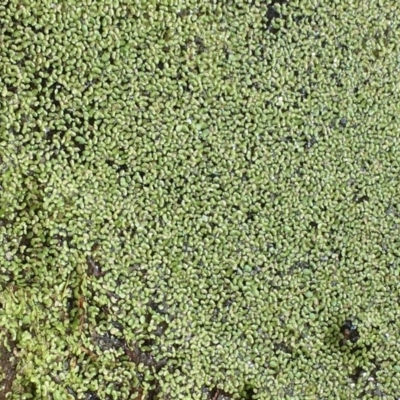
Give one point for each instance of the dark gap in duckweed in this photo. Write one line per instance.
(287, 139)
(184, 47)
(80, 147)
(273, 9)
(218, 394)
(337, 253)
(91, 396)
(201, 46)
(298, 265)
(283, 347)
(356, 375)
(183, 13)
(311, 142)
(70, 304)
(360, 199)
(54, 89)
(313, 225)
(289, 390)
(248, 392)
(8, 365)
(71, 391)
(343, 122)
(304, 93)
(350, 333)
(392, 210)
(94, 268)
(376, 369)
(11, 88)
(107, 341)
(153, 393)
(376, 391)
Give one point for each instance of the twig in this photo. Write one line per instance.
(89, 352)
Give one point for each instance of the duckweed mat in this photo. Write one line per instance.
(199, 199)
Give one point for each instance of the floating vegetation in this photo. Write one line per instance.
(199, 200)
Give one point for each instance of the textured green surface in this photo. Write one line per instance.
(217, 183)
